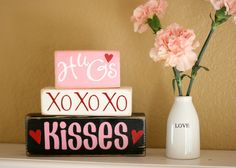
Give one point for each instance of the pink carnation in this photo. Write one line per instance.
(217, 4)
(175, 46)
(145, 11)
(229, 4)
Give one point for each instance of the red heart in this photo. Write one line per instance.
(36, 135)
(136, 135)
(108, 57)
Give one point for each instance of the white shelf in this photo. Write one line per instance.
(13, 155)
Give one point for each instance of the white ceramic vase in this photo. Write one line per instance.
(183, 135)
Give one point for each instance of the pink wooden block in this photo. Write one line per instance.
(87, 69)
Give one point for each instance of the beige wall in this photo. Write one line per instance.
(31, 30)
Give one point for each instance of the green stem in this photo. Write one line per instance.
(178, 80)
(205, 45)
(194, 69)
(190, 86)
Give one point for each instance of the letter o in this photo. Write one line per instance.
(89, 103)
(62, 104)
(117, 103)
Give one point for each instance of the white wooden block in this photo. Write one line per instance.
(87, 102)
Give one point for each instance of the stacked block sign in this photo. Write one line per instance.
(87, 113)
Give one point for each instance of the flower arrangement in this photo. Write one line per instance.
(174, 44)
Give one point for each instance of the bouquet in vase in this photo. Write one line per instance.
(175, 45)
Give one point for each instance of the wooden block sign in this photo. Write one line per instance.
(87, 69)
(89, 102)
(65, 135)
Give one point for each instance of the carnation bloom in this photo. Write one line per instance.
(217, 4)
(145, 11)
(230, 6)
(175, 45)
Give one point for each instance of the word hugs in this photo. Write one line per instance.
(89, 102)
(87, 69)
(57, 135)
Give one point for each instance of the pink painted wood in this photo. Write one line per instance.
(87, 69)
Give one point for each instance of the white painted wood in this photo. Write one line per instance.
(87, 102)
(13, 156)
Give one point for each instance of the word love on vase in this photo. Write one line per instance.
(89, 102)
(61, 135)
(87, 69)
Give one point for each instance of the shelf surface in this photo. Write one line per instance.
(13, 155)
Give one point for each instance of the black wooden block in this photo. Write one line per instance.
(72, 135)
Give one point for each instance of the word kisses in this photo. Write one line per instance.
(91, 101)
(60, 135)
(74, 136)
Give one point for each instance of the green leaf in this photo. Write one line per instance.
(185, 75)
(154, 23)
(205, 68)
(220, 17)
(196, 68)
(173, 84)
(211, 17)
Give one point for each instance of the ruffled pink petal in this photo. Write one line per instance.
(230, 6)
(186, 61)
(154, 54)
(175, 46)
(171, 61)
(217, 4)
(140, 28)
(196, 44)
